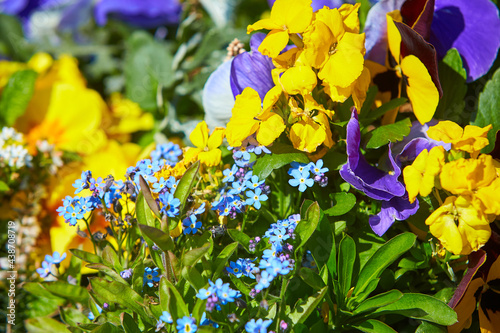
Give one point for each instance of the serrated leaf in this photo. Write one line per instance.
(388, 133)
(374, 326)
(420, 306)
(267, 163)
(304, 308)
(343, 203)
(381, 259)
(16, 96)
(489, 104)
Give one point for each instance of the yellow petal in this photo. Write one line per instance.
(210, 158)
(274, 43)
(307, 136)
(422, 92)
(393, 37)
(199, 136)
(267, 24)
(323, 121)
(446, 131)
(296, 15)
(272, 96)
(41, 62)
(270, 129)
(216, 138)
(350, 17)
(299, 80)
(243, 122)
(442, 225)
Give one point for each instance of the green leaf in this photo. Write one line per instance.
(108, 271)
(306, 226)
(374, 326)
(110, 257)
(222, 258)
(321, 242)
(144, 214)
(331, 264)
(38, 289)
(304, 308)
(266, 164)
(194, 277)
(71, 292)
(44, 325)
(452, 77)
(239, 237)
(12, 38)
(427, 327)
(191, 257)
(489, 104)
(3, 186)
(129, 324)
(343, 203)
(378, 301)
(420, 306)
(116, 292)
(16, 96)
(107, 328)
(148, 67)
(87, 256)
(311, 278)
(388, 133)
(177, 306)
(380, 111)
(381, 259)
(186, 184)
(160, 238)
(146, 192)
(347, 257)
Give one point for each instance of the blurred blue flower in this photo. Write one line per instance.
(229, 174)
(265, 280)
(166, 317)
(55, 258)
(170, 204)
(151, 276)
(44, 271)
(235, 269)
(191, 225)
(142, 13)
(186, 325)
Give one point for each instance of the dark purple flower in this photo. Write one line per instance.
(398, 208)
(375, 183)
(252, 69)
(141, 13)
(472, 27)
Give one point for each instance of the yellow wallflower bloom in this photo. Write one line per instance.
(249, 118)
(207, 148)
(337, 53)
(489, 197)
(287, 17)
(467, 175)
(471, 139)
(420, 176)
(357, 90)
(460, 226)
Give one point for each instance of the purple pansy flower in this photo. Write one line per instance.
(252, 69)
(398, 208)
(141, 13)
(472, 27)
(375, 183)
(218, 99)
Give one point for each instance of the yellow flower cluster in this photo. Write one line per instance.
(328, 58)
(461, 223)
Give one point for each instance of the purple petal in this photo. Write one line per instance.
(374, 182)
(144, 13)
(398, 208)
(318, 4)
(218, 100)
(252, 69)
(472, 27)
(376, 29)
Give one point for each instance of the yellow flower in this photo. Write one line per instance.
(467, 175)
(337, 53)
(489, 197)
(471, 139)
(420, 176)
(287, 17)
(206, 150)
(249, 118)
(357, 90)
(460, 226)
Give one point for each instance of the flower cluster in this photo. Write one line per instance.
(301, 173)
(217, 294)
(55, 259)
(13, 152)
(462, 221)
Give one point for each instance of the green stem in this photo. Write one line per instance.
(90, 235)
(281, 313)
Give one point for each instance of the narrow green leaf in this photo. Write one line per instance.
(110, 258)
(347, 257)
(44, 325)
(268, 163)
(489, 104)
(143, 212)
(129, 324)
(222, 258)
(38, 289)
(382, 258)
(388, 133)
(160, 238)
(194, 277)
(427, 327)
(304, 308)
(343, 203)
(87, 256)
(371, 94)
(16, 96)
(186, 184)
(193, 256)
(306, 226)
(108, 271)
(107, 328)
(374, 326)
(331, 264)
(311, 278)
(146, 193)
(239, 237)
(380, 111)
(377, 301)
(177, 306)
(74, 293)
(420, 306)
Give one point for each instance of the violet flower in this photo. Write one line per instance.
(318, 4)
(398, 208)
(252, 69)
(141, 13)
(472, 27)
(218, 99)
